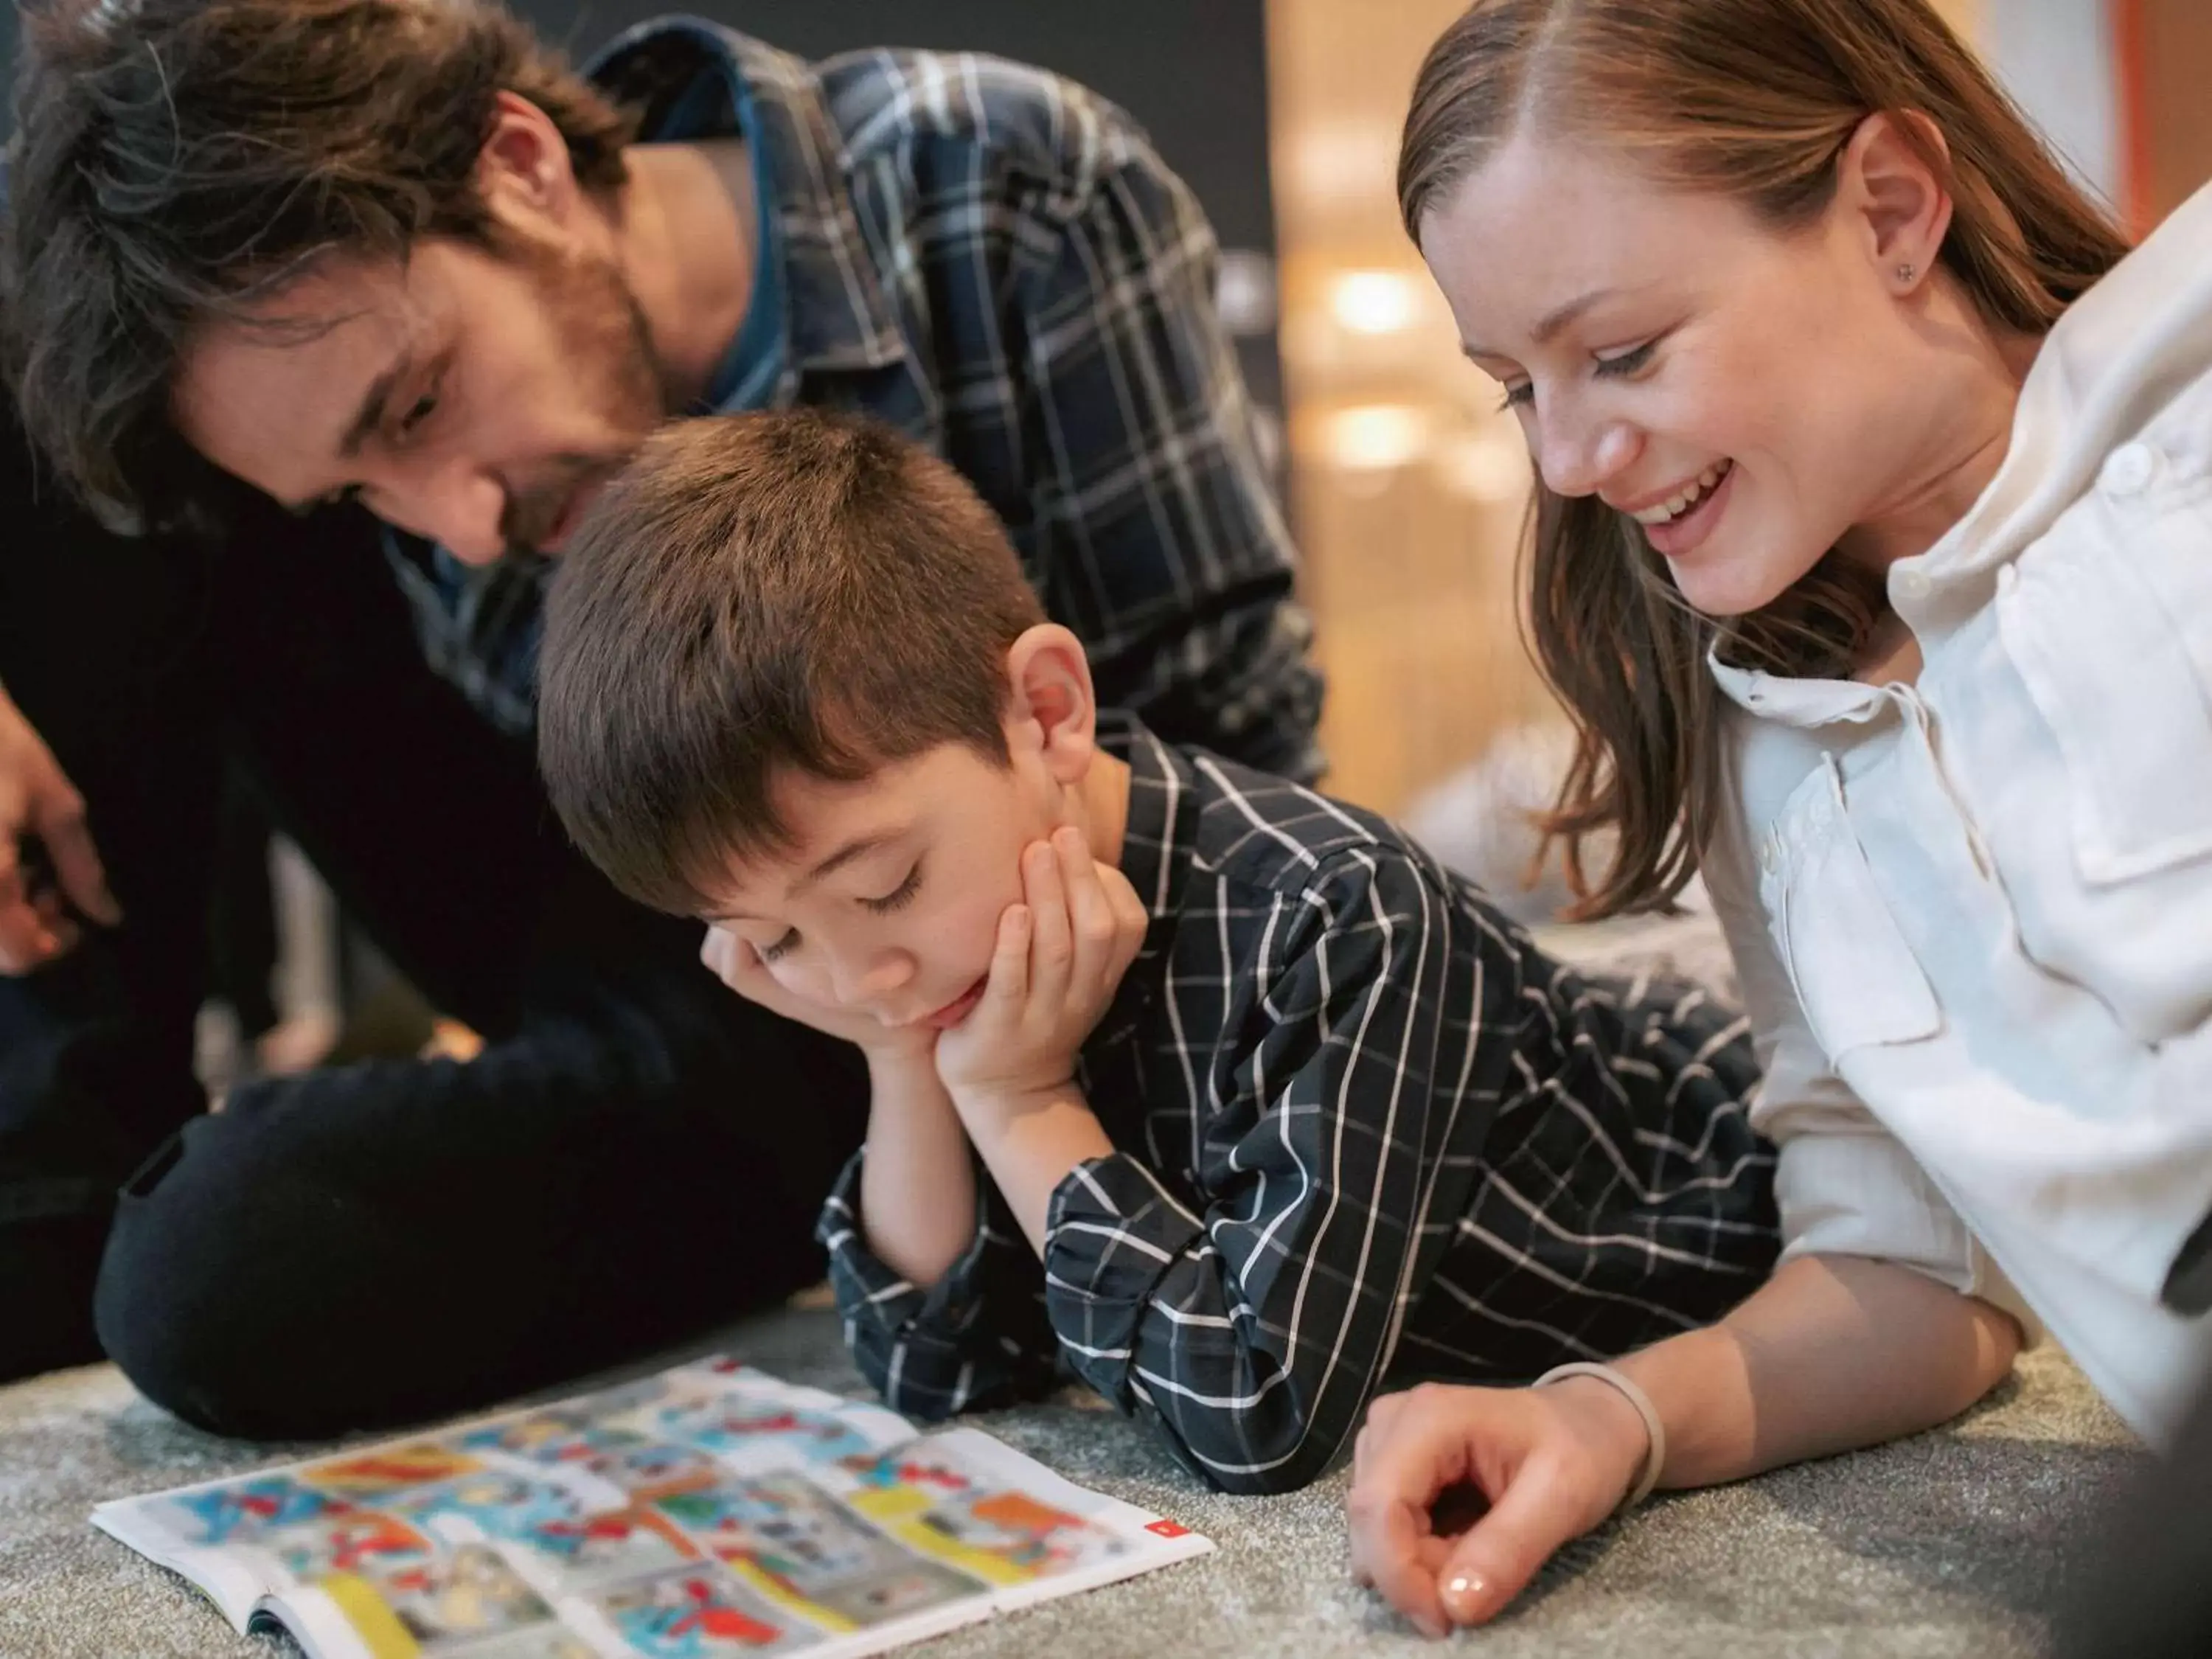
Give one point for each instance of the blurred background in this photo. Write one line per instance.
(1405, 483)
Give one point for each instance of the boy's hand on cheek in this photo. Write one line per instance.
(1061, 956)
(738, 965)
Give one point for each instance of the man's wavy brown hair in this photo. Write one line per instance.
(176, 162)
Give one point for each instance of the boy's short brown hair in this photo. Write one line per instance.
(755, 595)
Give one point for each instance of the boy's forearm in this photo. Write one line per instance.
(1032, 1145)
(1831, 1354)
(918, 1180)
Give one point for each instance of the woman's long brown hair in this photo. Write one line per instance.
(1755, 100)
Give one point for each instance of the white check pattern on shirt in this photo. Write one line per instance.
(1366, 1131)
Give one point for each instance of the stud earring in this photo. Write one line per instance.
(1906, 273)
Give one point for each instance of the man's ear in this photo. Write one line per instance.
(1901, 204)
(1050, 705)
(524, 170)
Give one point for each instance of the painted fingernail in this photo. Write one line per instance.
(1463, 1593)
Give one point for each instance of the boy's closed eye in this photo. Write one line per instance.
(897, 899)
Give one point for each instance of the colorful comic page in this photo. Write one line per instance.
(468, 1594)
(702, 1613)
(806, 1552)
(240, 1511)
(570, 1439)
(744, 1419)
(493, 1503)
(958, 1510)
(575, 1553)
(354, 1541)
(710, 1510)
(387, 1471)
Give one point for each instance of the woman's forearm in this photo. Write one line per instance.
(1832, 1353)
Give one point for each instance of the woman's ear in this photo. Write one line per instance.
(1901, 200)
(1050, 705)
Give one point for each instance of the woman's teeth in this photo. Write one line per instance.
(1680, 503)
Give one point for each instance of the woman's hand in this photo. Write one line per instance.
(1552, 1463)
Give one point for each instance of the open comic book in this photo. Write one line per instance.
(708, 1511)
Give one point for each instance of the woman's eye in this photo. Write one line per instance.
(899, 896)
(782, 947)
(1629, 361)
(1516, 396)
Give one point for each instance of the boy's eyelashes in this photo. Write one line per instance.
(900, 896)
(897, 899)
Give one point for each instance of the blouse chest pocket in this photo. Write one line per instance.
(2108, 622)
(1856, 977)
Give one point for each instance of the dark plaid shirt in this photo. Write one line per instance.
(994, 261)
(1366, 1130)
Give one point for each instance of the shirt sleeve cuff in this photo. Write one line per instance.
(1866, 1195)
(874, 1297)
(1111, 1233)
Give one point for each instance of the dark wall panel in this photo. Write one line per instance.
(1192, 71)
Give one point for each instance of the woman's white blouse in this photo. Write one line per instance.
(1974, 915)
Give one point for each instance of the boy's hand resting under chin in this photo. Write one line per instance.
(737, 964)
(1059, 958)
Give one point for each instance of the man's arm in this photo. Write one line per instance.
(1156, 534)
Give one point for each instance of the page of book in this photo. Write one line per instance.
(710, 1510)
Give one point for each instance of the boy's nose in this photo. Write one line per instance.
(871, 981)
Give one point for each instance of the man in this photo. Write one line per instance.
(239, 255)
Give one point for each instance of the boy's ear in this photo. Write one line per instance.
(1051, 707)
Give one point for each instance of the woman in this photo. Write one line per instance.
(1873, 554)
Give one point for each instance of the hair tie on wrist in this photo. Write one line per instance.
(1656, 1458)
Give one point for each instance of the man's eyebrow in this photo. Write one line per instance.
(370, 416)
(366, 420)
(1549, 329)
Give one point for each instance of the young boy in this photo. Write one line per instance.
(1216, 1091)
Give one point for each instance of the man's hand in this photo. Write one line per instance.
(1552, 1463)
(38, 803)
(738, 965)
(1061, 956)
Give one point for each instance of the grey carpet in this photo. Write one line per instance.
(1958, 1542)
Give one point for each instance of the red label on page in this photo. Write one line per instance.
(1169, 1529)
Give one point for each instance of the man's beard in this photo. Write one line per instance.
(607, 346)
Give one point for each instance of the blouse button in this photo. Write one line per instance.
(2129, 468)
